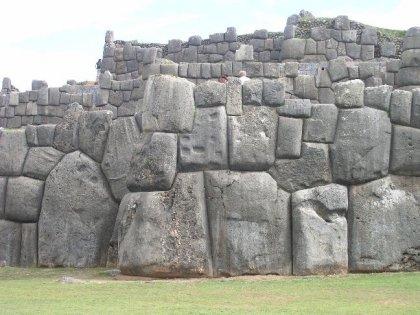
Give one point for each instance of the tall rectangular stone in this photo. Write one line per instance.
(29, 245)
(289, 138)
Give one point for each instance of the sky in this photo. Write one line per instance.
(57, 40)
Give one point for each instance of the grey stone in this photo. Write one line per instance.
(353, 72)
(171, 69)
(349, 36)
(253, 69)
(230, 35)
(13, 150)
(331, 54)
(320, 33)
(410, 58)
(124, 136)
(206, 147)
(408, 76)
(273, 92)
(29, 245)
(10, 239)
(45, 134)
(326, 96)
(383, 222)
(79, 211)
(252, 92)
(295, 108)
(321, 126)
(393, 65)
(291, 69)
(66, 132)
(53, 96)
(289, 31)
(337, 69)
(373, 81)
(194, 40)
(165, 94)
(174, 240)
(153, 165)
(216, 38)
(233, 97)
(305, 87)
(252, 138)
(174, 45)
(368, 69)
(289, 138)
(322, 78)
(312, 169)
(14, 99)
(349, 94)
(353, 50)
(222, 48)
(405, 151)
(342, 22)
(40, 162)
(367, 52)
(293, 48)
(378, 97)
(272, 70)
(369, 36)
(244, 53)
(42, 96)
(400, 109)
(210, 93)
(93, 133)
(251, 234)
(3, 187)
(411, 42)
(415, 109)
(362, 145)
(190, 54)
(39, 84)
(293, 19)
(320, 230)
(388, 49)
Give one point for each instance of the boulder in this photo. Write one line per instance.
(320, 230)
(210, 93)
(305, 87)
(378, 97)
(405, 151)
(29, 245)
(293, 48)
(206, 147)
(77, 215)
(362, 145)
(252, 138)
(3, 187)
(408, 76)
(410, 58)
(13, 150)
(66, 132)
(249, 224)
(295, 108)
(349, 94)
(337, 69)
(273, 92)
(233, 97)
(252, 92)
(289, 138)
(41, 161)
(45, 134)
(10, 239)
(383, 220)
(153, 165)
(400, 109)
(321, 126)
(165, 234)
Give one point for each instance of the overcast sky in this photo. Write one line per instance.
(56, 40)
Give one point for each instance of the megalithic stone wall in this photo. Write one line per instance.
(304, 169)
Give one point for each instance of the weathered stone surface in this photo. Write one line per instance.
(362, 145)
(29, 245)
(408, 76)
(166, 94)
(273, 92)
(369, 36)
(3, 187)
(244, 53)
(252, 92)
(41, 161)
(410, 58)
(66, 132)
(210, 93)
(321, 126)
(252, 138)
(165, 234)
(93, 133)
(305, 87)
(312, 169)
(400, 110)
(13, 150)
(45, 134)
(10, 239)
(234, 97)
(415, 109)
(153, 165)
(77, 215)
(289, 138)
(320, 230)
(378, 97)
(405, 151)
(206, 147)
(337, 69)
(293, 48)
(249, 222)
(295, 108)
(383, 219)
(349, 94)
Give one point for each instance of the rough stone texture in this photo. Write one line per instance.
(383, 219)
(234, 97)
(249, 224)
(210, 93)
(295, 108)
(320, 230)
(93, 133)
(408, 76)
(153, 165)
(293, 48)
(23, 199)
(415, 109)
(289, 138)
(165, 234)
(378, 97)
(337, 69)
(41, 161)
(405, 151)
(29, 245)
(305, 87)
(310, 170)
(13, 150)
(362, 145)
(321, 126)
(349, 94)
(77, 214)
(166, 94)
(410, 58)
(273, 92)
(45, 134)
(252, 92)
(10, 239)
(124, 136)
(252, 138)
(244, 53)
(400, 109)
(206, 146)
(66, 138)
(3, 187)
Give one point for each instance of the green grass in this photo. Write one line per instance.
(39, 291)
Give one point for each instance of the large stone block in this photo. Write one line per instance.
(206, 147)
(305, 87)
(252, 92)
(165, 94)
(296, 108)
(293, 48)
(405, 151)
(383, 221)
(408, 76)
(93, 133)
(45, 134)
(320, 230)
(210, 93)
(153, 165)
(10, 239)
(410, 58)
(165, 234)
(273, 92)
(349, 94)
(77, 215)
(321, 126)
(415, 109)
(337, 69)
(13, 150)
(66, 132)
(234, 97)
(244, 53)
(3, 187)
(378, 97)
(29, 245)
(249, 223)
(41, 161)
(400, 110)
(124, 136)
(362, 145)
(289, 138)
(310, 170)
(252, 138)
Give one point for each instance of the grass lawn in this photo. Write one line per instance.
(95, 291)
